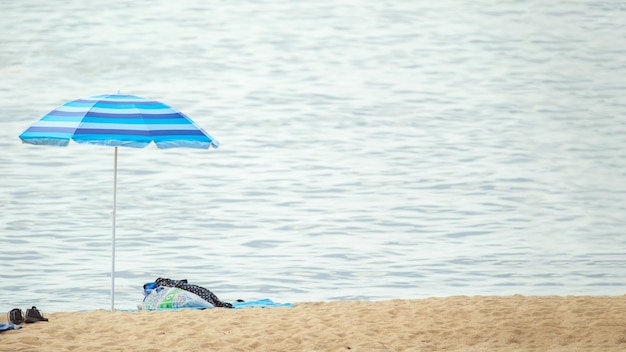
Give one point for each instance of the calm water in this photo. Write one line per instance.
(369, 150)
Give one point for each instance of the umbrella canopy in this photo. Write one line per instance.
(118, 121)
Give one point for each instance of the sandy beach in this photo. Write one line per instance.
(479, 323)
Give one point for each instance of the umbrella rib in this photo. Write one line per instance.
(82, 121)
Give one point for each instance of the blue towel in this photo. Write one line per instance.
(263, 303)
(9, 326)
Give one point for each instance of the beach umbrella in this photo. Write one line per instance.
(117, 121)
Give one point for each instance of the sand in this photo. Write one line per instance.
(480, 323)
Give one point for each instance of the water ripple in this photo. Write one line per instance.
(368, 150)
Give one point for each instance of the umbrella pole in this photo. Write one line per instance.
(113, 240)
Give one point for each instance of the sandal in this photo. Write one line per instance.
(33, 315)
(15, 316)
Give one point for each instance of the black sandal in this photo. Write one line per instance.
(15, 316)
(33, 315)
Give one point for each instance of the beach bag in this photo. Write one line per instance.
(173, 298)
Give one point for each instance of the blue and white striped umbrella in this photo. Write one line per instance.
(118, 121)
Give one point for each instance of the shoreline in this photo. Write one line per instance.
(456, 323)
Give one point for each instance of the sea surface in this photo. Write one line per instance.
(369, 150)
